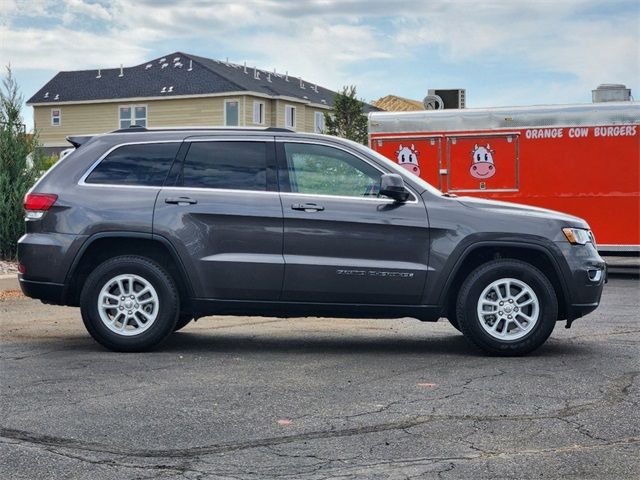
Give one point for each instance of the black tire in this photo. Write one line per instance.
(471, 290)
(184, 319)
(168, 304)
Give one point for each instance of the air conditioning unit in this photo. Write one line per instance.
(611, 92)
(452, 98)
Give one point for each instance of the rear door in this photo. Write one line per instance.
(343, 242)
(223, 215)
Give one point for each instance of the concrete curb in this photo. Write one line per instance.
(9, 282)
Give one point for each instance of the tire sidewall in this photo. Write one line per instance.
(168, 303)
(475, 284)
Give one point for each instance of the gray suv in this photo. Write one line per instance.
(146, 230)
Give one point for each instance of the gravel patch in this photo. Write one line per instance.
(8, 267)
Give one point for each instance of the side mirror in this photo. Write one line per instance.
(392, 186)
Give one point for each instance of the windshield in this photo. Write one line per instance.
(395, 167)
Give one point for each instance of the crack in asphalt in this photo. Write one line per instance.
(616, 393)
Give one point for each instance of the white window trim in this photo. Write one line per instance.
(133, 113)
(315, 121)
(287, 106)
(227, 100)
(59, 117)
(255, 103)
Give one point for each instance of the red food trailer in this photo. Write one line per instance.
(579, 159)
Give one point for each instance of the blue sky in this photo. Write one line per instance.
(503, 52)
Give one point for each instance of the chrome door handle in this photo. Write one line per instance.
(181, 200)
(307, 207)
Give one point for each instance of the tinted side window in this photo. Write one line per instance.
(323, 170)
(230, 165)
(144, 164)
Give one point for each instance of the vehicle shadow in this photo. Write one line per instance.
(302, 344)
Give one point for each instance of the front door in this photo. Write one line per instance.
(343, 242)
(224, 218)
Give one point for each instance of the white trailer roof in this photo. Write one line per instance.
(505, 117)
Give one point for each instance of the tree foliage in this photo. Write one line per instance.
(347, 119)
(20, 165)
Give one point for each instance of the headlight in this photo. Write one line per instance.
(577, 236)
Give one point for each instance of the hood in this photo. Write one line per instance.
(508, 208)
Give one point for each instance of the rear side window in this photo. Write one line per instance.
(226, 165)
(144, 164)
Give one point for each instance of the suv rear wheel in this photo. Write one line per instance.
(129, 303)
(507, 307)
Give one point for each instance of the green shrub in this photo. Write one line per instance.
(16, 175)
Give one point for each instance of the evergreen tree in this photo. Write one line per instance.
(20, 165)
(347, 119)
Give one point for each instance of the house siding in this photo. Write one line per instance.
(82, 119)
(190, 112)
(75, 120)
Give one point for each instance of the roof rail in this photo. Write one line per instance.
(137, 128)
(131, 129)
(279, 129)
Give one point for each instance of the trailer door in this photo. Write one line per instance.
(482, 163)
(421, 155)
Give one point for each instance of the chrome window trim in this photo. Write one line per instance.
(224, 190)
(83, 183)
(350, 152)
(268, 138)
(342, 197)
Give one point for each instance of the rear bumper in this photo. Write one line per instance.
(45, 291)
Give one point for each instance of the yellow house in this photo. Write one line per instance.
(174, 91)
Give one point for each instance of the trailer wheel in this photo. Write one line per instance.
(507, 307)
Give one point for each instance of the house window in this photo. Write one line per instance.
(258, 113)
(318, 122)
(133, 115)
(56, 117)
(290, 116)
(231, 113)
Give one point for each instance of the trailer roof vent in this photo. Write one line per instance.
(611, 92)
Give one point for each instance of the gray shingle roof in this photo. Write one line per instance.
(175, 75)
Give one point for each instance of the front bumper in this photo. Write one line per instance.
(586, 279)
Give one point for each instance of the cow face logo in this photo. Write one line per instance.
(408, 159)
(482, 165)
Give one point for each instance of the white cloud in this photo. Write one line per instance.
(79, 8)
(326, 41)
(67, 49)
(316, 50)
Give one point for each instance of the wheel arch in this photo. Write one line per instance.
(104, 245)
(478, 253)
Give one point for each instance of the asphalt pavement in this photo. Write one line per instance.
(317, 398)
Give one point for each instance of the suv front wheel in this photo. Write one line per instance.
(129, 304)
(507, 307)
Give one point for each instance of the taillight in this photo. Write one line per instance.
(37, 203)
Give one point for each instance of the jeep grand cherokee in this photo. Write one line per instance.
(146, 230)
